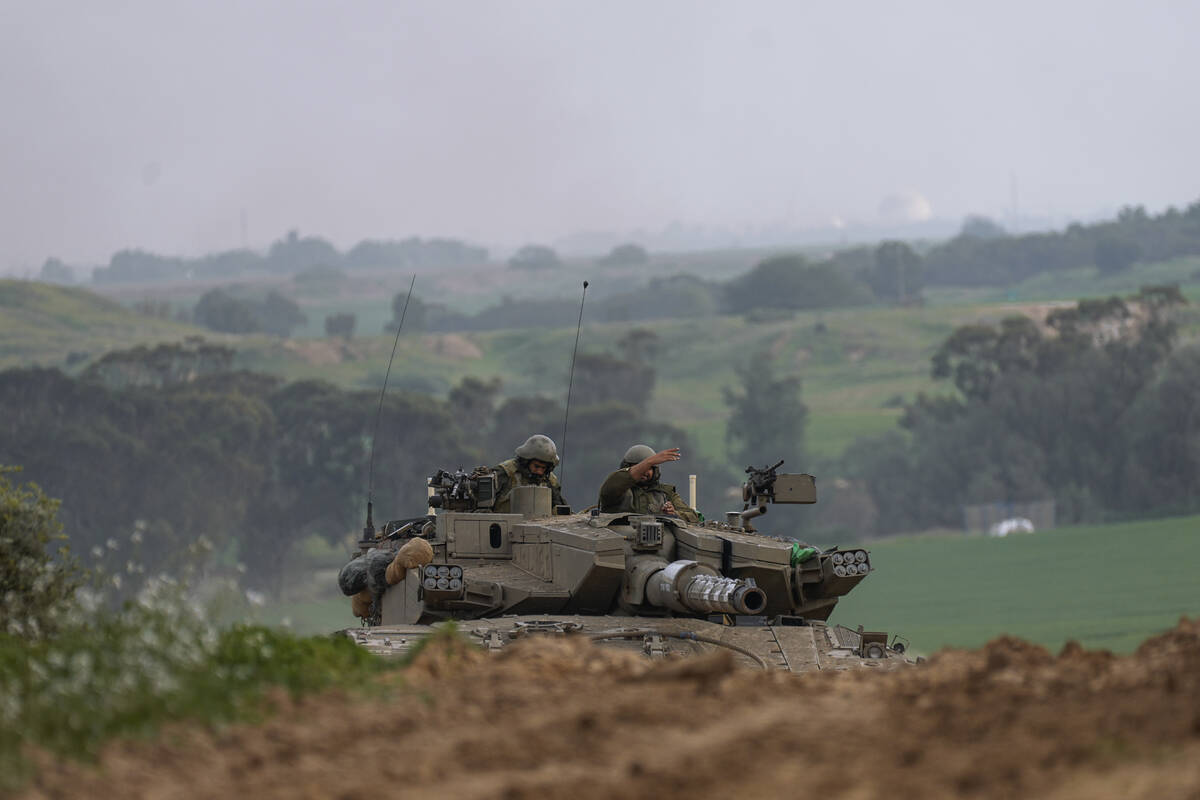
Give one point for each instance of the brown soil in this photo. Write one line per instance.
(320, 352)
(451, 345)
(559, 718)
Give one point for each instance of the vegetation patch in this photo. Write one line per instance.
(126, 674)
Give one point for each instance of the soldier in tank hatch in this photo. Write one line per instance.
(532, 465)
(635, 487)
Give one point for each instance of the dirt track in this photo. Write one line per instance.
(562, 719)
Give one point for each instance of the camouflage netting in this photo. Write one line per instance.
(365, 572)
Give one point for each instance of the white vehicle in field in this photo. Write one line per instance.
(1011, 525)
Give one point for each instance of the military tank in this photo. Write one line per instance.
(649, 583)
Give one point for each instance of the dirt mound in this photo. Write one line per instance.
(563, 718)
(318, 352)
(451, 345)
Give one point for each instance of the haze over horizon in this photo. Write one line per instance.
(164, 126)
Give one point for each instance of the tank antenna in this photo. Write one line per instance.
(369, 530)
(562, 471)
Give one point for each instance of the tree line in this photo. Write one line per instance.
(890, 273)
(1094, 409)
(291, 254)
(172, 443)
(984, 255)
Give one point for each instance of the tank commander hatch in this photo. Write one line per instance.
(533, 465)
(636, 487)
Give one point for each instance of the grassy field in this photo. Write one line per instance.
(53, 326)
(1106, 586)
(855, 364)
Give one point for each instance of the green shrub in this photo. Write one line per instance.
(35, 588)
(108, 675)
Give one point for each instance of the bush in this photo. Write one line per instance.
(791, 282)
(625, 255)
(35, 589)
(535, 256)
(110, 674)
(340, 324)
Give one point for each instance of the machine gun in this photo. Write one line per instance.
(463, 491)
(764, 485)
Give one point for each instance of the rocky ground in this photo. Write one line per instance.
(558, 718)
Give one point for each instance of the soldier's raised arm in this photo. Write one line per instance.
(642, 470)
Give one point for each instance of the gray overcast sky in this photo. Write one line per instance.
(153, 123)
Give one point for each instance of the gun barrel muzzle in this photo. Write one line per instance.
(690, 587)
(718, 595)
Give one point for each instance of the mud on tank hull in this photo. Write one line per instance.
(777, 645)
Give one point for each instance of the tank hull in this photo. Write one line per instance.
(803, 647)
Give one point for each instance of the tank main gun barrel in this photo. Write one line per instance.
(692, 588)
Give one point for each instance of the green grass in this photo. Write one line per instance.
(44, 325)
(1106, 586)
(125, 674)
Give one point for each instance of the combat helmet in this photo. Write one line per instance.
(538, 447)
(636, 454)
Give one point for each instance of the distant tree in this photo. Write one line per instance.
(415, 319)
(974, 356)
(639, 345)
(295, 254)
(414, 252)
(517, 418)
(138, 265)
(36, 586)
(340, 324)
(792, 282)
(767, 417)
(626, 255)
(1115, 255)
(601, 379)
(535, 256)
(1096, 414)
(277, 314)
(661, 298)
(980, 227)
(228, 264)
(55, 271)
(472, 401)
(164, 365)
(895, 273)
(220, 311)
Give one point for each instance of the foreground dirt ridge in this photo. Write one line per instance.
(561, 718)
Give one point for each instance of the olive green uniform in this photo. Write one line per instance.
(509, 474)
(621, 492)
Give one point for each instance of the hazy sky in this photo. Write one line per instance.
(155, 123)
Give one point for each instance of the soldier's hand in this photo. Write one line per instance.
(668, 507)
(662, 457)
(642, 470)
